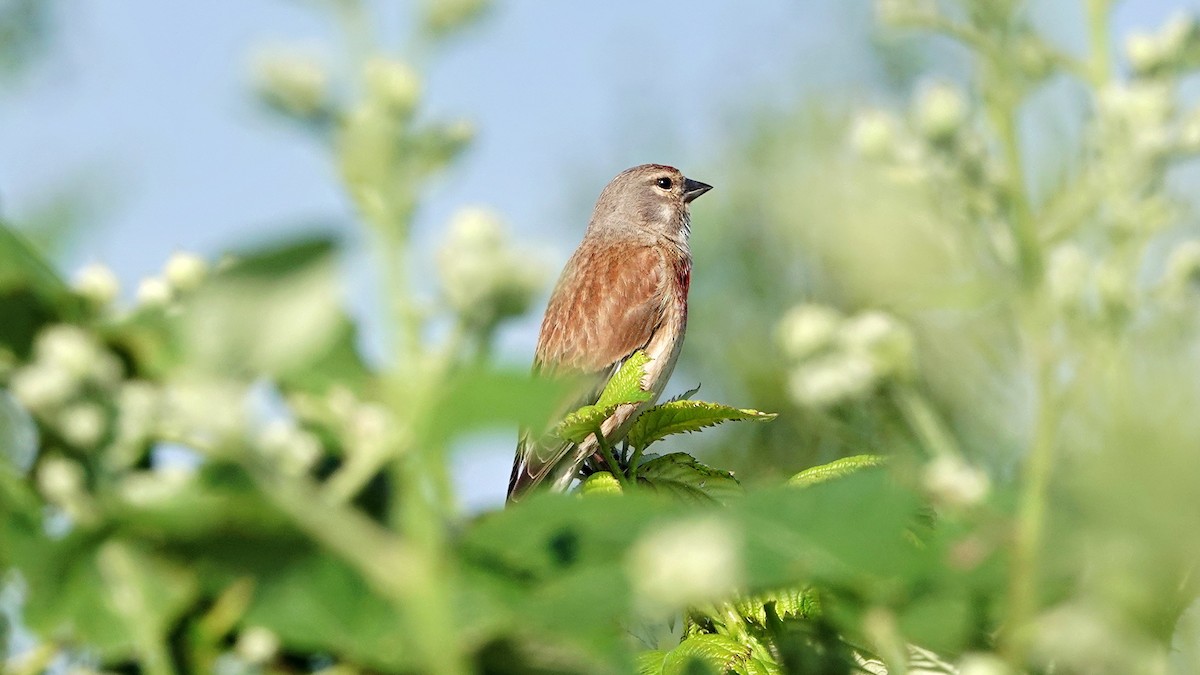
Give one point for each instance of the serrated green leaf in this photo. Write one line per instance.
(651, 662)
(584, 422)
(790, 603)
(682, 477)
(682, 416)
(835, 469)
(625, 386)
(721, 654)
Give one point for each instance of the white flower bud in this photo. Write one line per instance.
(887, 343)
(831, 379)
(82, 424)
(294, 449)
(60, 481)
(393, 83)
(684, 563)
(41, 386)
(806, 329)
(97, 283)
(941, 110)
(368, 428)
(68, 347)
(153, 292)
(295, 83)
(1067, 276)
(257, 645)
(953, 483)
(874, 134)
(185, 271)
(1143, 52)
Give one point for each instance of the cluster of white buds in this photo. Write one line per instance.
(182, 273)
(292, 80)
(1137, 114)
(362, 426)
(1169, 48)
(484, 279)
(62, 482)
(684, 564)
(67, 364)
(294, 450)
(838, 358)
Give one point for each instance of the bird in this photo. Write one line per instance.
(624, 289)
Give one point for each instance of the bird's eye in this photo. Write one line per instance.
(664, 183)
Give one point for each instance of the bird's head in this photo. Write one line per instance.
(649, 199)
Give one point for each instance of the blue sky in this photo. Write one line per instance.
(150, 102)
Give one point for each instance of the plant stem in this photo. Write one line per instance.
(634, 460)
(1100, 65)
(1004, 112)
(925, 422)
(1031, 516)
(606, 450)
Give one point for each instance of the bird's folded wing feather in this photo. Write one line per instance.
(608, 304)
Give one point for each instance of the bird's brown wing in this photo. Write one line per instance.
(608, 304)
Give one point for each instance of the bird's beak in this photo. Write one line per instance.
(693, 189)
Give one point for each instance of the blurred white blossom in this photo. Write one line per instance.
(484, 279)
(940, 110)
(185, 271)
(831, 379)
(257, 645)
(97, 283)
(292, 448)
(42, 386)
(982, 663)
(82, 424)
(153, 292)
(806, 329)
(684, 563)
(292, 80)
(150, 488)
(874, 134)
(882, 339)
(951, 482)
(394, 84)
(61, 482)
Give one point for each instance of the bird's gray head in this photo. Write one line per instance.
(649, 199)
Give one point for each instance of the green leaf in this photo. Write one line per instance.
(651, 662)
(720, 653)
(600, 483)
(476, 399)
(835, 469)
(677, 417)
(318, 604)
(272, 312)
(31, 293)
(148, 593)
(682, 477)
(790, 603)
(625, 386)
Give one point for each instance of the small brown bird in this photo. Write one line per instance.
(624, 289)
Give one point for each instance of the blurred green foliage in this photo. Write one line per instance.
(995, 380)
